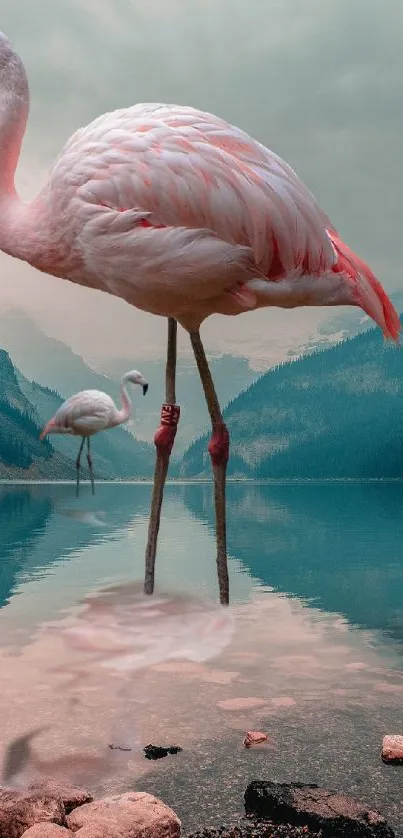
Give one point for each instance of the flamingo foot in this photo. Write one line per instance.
(164, 439)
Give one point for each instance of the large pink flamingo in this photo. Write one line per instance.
(184, 216)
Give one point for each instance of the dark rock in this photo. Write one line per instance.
(250, 828)
(158, 751)
(335, 815)
(19, 811)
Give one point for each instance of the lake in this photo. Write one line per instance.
(310, 650)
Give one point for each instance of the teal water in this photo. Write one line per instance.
(311, 647)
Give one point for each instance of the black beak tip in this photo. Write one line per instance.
(145, 388)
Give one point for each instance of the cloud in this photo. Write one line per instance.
(320, 83)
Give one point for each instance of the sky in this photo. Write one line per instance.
(320, 83)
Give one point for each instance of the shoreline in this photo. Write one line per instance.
(186, 481)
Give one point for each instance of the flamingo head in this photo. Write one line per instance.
(136, 377)
(13, 78)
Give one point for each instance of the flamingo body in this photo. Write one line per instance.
(177, 212)
(84, 414)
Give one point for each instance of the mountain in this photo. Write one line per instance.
(21, 452)
(332, 414)
(46, 360)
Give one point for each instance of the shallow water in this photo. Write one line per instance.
(310, 650)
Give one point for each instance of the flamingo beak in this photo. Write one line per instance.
(145, 388)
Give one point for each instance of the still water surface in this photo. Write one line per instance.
(311, 649)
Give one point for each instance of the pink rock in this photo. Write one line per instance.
(70, 796)
(19, 811)
(386, 687)
(97, 831)
(220, 676)
(283, 701)
(392, 748)
(47, 830)
(254, 737)
(241, 703)
(125, 816)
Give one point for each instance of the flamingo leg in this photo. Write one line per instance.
(78, 461)
(163, 440)
(89, 461)
(219, 453)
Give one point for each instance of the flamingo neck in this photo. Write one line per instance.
(126, 410)
(17, 221)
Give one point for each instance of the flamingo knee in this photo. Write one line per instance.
(218, 446)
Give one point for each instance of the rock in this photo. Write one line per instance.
(47, 830)
(158, 751)
(70, 796)
(254, 737)
(19, 811)
(125, 816)
(100, 832)
(392, 749)
(249, 828)
(335, 815)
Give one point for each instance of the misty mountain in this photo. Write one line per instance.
(54, 365)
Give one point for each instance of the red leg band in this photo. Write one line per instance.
(164, 436)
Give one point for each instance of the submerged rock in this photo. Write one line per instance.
(159, 751)
(254, 737)
(334, 815)
(392, 749)
(125, 816)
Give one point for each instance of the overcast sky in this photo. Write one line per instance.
(320, 82)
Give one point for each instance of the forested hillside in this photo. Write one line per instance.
(335, 413)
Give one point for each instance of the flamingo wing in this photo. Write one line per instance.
(162, 192)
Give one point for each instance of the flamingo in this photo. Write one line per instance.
(182, 215)
(90, 411)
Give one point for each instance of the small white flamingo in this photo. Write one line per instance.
(182, 215)
(89, 412)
